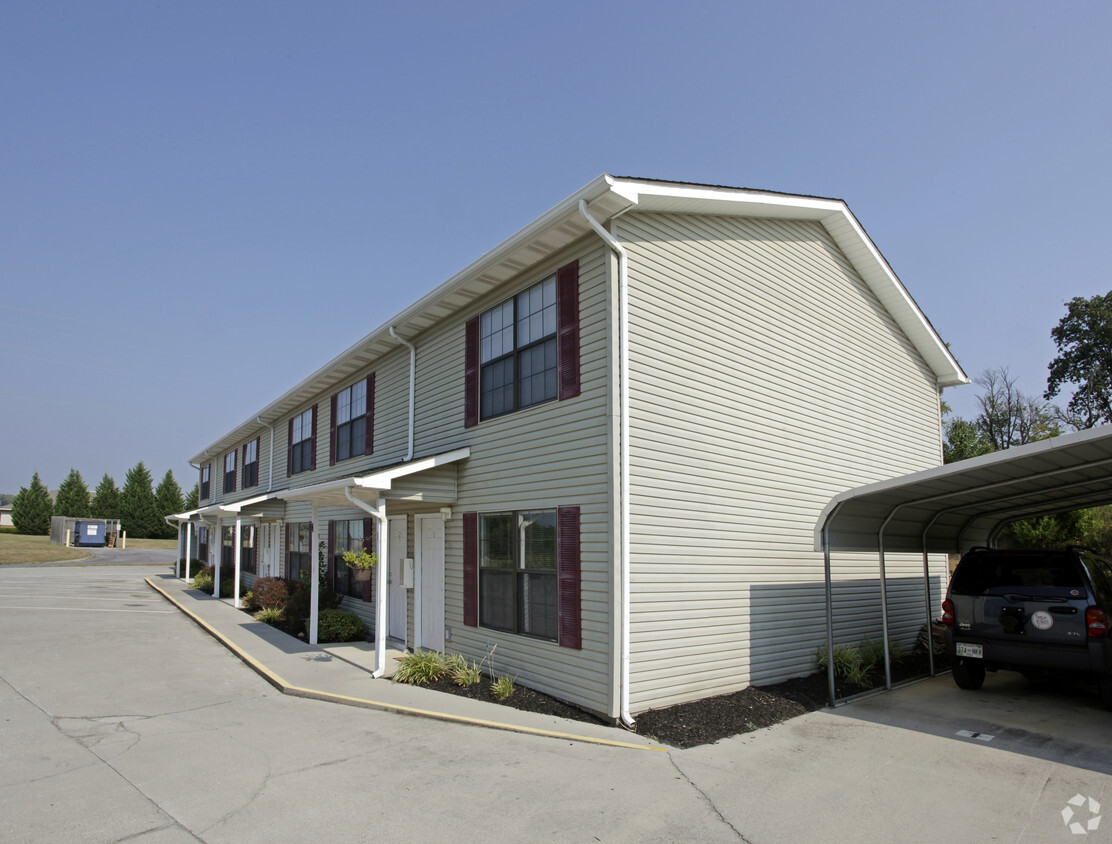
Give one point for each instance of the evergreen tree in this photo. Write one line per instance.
(138, 507)
(73, 497)
(168, 501)
(106, 499)
(32, 508)
(193, 499)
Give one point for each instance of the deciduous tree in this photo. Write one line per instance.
(1084, 340)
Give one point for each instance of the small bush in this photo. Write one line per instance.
(462, 672)
(270, 593)
(269, 615)
(421, 668)
(202, 580)
(502, 687)
(338, 626)
(297, 606)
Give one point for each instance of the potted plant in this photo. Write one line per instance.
(361, 563)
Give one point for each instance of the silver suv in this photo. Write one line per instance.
(1043, 613)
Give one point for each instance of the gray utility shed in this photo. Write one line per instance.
(953, 508)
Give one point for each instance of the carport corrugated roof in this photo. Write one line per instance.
(961, 505)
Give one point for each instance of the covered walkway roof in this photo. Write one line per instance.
(962, 505)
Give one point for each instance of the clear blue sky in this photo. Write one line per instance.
(203, 202)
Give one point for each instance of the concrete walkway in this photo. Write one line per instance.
(341, 673)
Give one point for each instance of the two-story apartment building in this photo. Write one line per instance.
(603, 446)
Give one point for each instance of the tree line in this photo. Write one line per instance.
(1007, 417)
(140, 508)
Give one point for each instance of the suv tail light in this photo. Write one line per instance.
(948, 614)
(1096, 622)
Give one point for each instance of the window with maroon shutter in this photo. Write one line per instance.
(567, 523)
(302, 441)
(230, 472)
(518, 568)
(471, 569)
(525, 351)
(368, 546)
(348, 535)
(251, 464)
(206, 489)
(352, 429)
(313, 441)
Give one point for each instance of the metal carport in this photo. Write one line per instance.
(952, 508)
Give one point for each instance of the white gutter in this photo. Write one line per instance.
(382, 550)
(623, 460)
(412, 387)
(270, 473)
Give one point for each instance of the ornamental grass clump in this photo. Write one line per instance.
(502, 687)
(269, 615)
(421, 668)
(464, 673)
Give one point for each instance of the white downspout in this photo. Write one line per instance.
(623, 460)
(381, 551)
(270, 472)
(412, 386)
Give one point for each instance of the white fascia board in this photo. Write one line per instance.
(188, 515)
(382, 480)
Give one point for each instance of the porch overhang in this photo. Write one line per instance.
(385, 483)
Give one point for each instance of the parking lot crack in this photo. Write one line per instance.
(706, 799)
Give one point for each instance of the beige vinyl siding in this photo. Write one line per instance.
(547, 456)
(765, 378)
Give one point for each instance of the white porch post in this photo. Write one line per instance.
(219, 556)
(177, 562)
(188, 549)
(314, 576)
(381, 598)
(239, 552)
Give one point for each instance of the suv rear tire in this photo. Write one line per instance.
(970, 674)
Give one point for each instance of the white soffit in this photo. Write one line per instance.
(962, 505)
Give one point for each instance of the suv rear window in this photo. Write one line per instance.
(981, 572)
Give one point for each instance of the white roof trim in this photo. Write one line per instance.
(607, 197)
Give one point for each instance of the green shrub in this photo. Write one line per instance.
(338, 626)
(297, 605)
(202, 580)
(462, 672)
(269, 615)
(270, 593)
(9, 530)
(421, 668)
(502, 687)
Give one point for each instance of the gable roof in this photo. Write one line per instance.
(606, 198)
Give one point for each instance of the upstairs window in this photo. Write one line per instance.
(352, 433)
(302, 446)
(251, 464)
(230, 472)
(525, 351)
(205, 489)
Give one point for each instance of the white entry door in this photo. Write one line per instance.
(399, 549)
(430, 582)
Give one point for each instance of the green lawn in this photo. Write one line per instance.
(17, 548)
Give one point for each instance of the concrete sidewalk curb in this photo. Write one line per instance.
(314, 694)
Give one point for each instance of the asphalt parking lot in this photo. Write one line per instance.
(120, 718)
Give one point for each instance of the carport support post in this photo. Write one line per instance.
(884, 613)
(219, 556)
(829, 614)
(239, 550)
(188, 549)
(314, 576)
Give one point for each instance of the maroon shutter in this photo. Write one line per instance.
(235, 461)
(259, 458)
(286, 571)
(331, 553)
(289, 452)
(332, 435)
(313, 442)
(368, 546)
(568, 576)
(243, 469)
(471, 374)
(567, 332)
(471, 569)
(369, 442)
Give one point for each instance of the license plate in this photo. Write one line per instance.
(966, 649)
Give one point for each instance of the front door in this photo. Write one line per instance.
(399, 549)
(430, 582)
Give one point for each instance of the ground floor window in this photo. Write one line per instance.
(299, 550)
(348, 536)
(203, 545)
(518, 573)
(247, 547)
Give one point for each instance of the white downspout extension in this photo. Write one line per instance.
(623, 460)
(381, 551)
(412, 386)
(270, 472)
